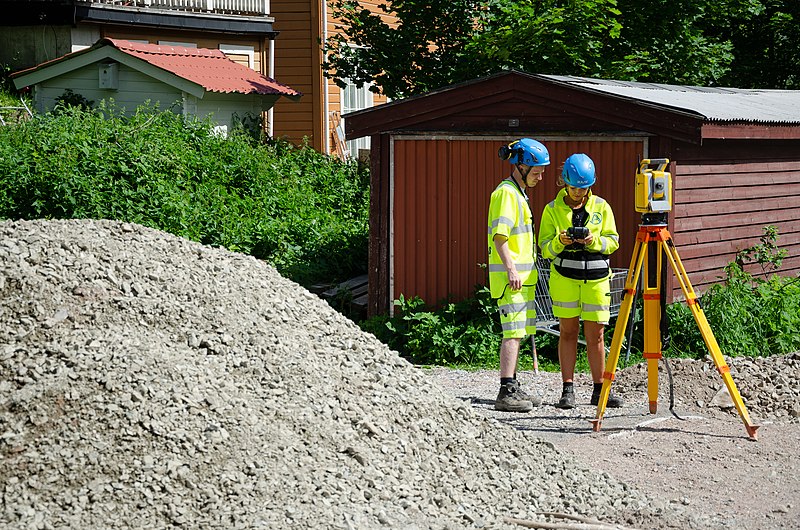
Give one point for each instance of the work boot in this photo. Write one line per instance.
(510, 400)
(614, 401)
(567, 400)
(535, 400)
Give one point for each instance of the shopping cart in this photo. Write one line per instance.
(547, 322)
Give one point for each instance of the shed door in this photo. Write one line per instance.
(440, 196)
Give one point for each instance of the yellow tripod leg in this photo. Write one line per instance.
(709, 339)
(619, 331)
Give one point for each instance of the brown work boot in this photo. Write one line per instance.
(535, 400)
(510, 400)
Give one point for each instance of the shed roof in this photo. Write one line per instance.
(713, 103)
(686, 113)
(210, 69)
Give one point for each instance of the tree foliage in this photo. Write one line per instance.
(741, 43)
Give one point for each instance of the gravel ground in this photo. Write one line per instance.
(150, 382)
(705, 462)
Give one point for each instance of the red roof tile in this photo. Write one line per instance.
(211, 69)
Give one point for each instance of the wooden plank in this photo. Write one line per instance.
(751, 167)
(734, 193)
(740, 179)
(687, 233)
(727, 207)
(686, 223)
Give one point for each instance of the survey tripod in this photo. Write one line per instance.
(653, 244)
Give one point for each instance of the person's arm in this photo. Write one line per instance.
(608, 241)
(501, 244)
(551, 242)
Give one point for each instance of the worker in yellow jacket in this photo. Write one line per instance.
(512, 264)
(578, 234)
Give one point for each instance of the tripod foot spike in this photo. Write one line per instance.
(653, 407)
(596, 424)
(751, 431)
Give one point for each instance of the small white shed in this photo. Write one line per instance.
(196, 82)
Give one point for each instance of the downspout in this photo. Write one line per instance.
(271, 75)
(325, 95)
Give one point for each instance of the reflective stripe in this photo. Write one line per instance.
(566, 305)
(580, 265)
(603, 246)
(501, 220)
(595, 307)
(522, 229)
(514, 308)
(599, 200)
(531, 322)
(493, 267)
(509, 326)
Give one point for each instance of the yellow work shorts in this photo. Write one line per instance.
(518, 312)
(589, 299)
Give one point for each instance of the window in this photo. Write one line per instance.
(353, 99)
(241, 54)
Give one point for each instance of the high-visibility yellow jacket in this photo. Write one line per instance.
(579, 261)
(510, 215)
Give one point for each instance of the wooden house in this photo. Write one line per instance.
(280, 39)
(195, 82)
(735, 163)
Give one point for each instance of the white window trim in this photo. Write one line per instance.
(240, 49)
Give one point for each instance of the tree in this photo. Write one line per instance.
(549, 37)
(425, 50)
(766, 43)
(663, 41)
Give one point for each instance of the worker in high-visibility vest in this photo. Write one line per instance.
(512, 264)
(578, 233)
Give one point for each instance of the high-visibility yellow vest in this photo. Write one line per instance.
(591, 261)
(510, 215)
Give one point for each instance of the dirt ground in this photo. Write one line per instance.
(706, 462)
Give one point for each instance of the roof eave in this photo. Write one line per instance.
(630, 114)
(96, 53)
(750, 131)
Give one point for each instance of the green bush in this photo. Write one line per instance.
(747, 315)
(302, 211)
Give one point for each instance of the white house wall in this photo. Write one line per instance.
(134, 90)
(222, 107)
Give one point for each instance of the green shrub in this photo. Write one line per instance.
(747, 315)
(302, 211)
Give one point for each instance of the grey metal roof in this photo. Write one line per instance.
(714, 104)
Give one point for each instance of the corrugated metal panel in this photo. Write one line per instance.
(714, 104)
(440, 197)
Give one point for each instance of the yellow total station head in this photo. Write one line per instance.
(653, 186)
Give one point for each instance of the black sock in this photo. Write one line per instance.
(597, 388)
(506, 380)
(567, 387)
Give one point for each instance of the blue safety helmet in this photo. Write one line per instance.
(578, 171)
(525, 151)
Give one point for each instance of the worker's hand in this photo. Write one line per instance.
(564, 238)
(586, 240)
(514, 281)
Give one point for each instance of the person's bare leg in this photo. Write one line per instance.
(568, 347)
(595, 349)
(509, 352)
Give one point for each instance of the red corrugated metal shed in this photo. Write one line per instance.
(434, 165)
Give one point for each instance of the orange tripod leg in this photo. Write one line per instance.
(619, 332)
(709, 339)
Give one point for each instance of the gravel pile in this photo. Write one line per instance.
(768, 385)
(148, 382)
